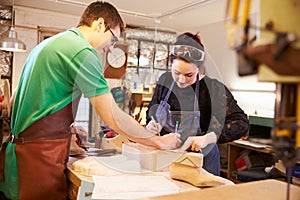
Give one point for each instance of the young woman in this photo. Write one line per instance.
(187, 101)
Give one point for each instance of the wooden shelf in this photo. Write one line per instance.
(234, 151)
(142, 101)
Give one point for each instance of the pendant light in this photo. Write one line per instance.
(12, 43)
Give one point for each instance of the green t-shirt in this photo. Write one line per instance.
(57, 71)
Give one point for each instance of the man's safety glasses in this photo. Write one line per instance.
(184, 50)
(114, 37)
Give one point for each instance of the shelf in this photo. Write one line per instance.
(253, 146)
(224, 170)
(5, 77)
(234, 151)
(142, 101)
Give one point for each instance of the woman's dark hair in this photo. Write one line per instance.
(101, 9)
(195, 37)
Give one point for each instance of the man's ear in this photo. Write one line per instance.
(98, 25)
(101, 24)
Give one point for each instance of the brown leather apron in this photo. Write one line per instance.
(42, 152)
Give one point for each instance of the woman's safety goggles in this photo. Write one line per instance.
(187, 51)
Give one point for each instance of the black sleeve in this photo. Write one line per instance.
(236, 122)
(228, 120)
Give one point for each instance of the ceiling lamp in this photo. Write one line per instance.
(12, 43)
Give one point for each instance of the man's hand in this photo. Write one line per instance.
(168, 141)
(75, 149)
(81, 134)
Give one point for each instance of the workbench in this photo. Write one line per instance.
(81, 187)
(257, 190)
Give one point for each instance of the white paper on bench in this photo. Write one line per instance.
(132, 186)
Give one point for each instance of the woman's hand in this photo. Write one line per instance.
(200, 142)
(154, 127)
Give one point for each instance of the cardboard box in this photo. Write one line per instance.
(248, 161)
(149, 159)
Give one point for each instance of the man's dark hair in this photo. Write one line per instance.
(99, 9)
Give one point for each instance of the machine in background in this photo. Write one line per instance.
(278, 61)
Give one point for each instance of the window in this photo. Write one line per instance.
(148, 56)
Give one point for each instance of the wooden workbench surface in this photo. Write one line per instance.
(257, 190)
(75, 181)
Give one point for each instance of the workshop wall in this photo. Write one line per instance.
(33, 18)
(221, 64)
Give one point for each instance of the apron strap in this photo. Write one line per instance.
(169, 92)
(196, 101)
(2, 158)
(196, 104)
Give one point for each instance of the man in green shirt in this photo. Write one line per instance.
(57, 72)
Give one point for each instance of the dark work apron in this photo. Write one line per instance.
(42, 152)
(188, 121)
(189, 125)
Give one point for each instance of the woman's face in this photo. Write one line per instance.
(184, 73)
